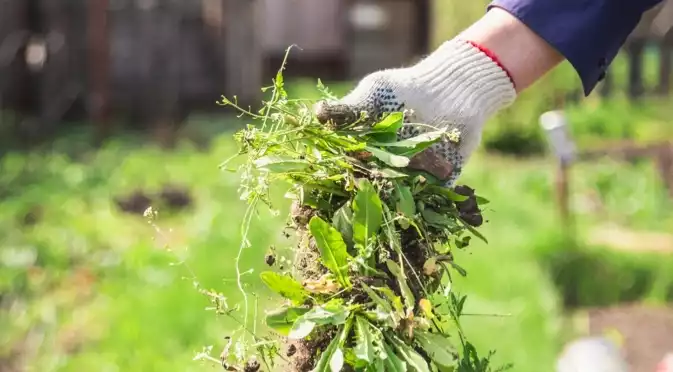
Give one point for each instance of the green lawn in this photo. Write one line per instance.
(87, 287)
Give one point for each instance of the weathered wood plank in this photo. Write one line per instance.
(243, 51)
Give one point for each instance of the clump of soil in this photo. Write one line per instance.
(303, 352)
(468, 209)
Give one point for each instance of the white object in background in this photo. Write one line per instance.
(36, 53)
(555, 125)
(666, 364)
(592, 354)
(368, 16)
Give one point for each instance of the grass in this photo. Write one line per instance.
(89, 288)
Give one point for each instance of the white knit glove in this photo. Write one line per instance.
(456, 87)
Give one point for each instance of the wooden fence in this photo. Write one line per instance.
(148, 61)
(152, 62)
(654, 30)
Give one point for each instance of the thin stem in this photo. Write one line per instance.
(245, 228)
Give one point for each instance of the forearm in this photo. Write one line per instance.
(526, 56)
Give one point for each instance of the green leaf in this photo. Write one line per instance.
(481, 200)
(332, 359)
(392, 362)
(405, 201)
(434, 218)
(364, 342)
(408, 354)
(390, 124)
(388, 173)
(389, 158)
(320, 315)
(282, 320)
(474, 231)
(396, 270)
(367, 213)
(412, 146)
(279, 164)
(336, 362)
(427, 137)
(383, 305)
(448, 193)
(343, 222)
(438, 347)
(393, 298)
(324, 363)
(301, 328)
(285, 286)
(332, 247)
(382, 137)
(458, 268)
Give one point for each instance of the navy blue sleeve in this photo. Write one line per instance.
(588, 33)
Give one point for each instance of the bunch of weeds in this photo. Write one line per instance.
(370, 287)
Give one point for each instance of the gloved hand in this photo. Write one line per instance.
(457, 87)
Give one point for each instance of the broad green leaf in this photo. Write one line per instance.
(285, 286)
(389, 158)
(282, 320)
(343, 222)
(395, 269)
(320, 315)
(412, 146)
(364, 342)
(367, 213)
(336, 362)
(408, 354)
(329, 313)
(427, 137)
(332, 249)
(405, 201)
(392, 362)
(435, 218)
(438, 347)
(381, 137)
(278, 164)
(301, 329)
(390, 124)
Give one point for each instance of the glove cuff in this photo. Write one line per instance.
(462, 74)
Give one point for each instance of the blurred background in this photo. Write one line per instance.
(108, 107)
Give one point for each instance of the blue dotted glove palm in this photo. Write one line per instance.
(457, 87)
